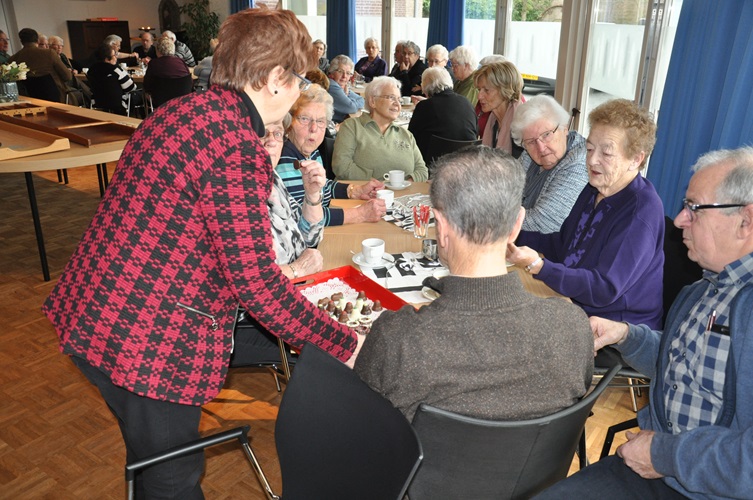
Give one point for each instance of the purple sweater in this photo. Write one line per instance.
(608, 259)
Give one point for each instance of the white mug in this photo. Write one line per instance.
(372, 250)
(405, 100)
(387, 195)
(395, 178)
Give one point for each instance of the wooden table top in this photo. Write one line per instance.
(339, 241)
(77, 155)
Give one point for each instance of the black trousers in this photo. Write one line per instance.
(150, 426)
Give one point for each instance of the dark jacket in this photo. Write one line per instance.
(411, 78)
(447, 115)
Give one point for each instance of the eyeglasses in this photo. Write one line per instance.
(304, 84)
(276, 134)
(545, 138)
(346, 73)
(392, 98)
(306, 121)
(692, 208)
(435, 61)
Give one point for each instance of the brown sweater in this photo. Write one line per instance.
(486, 348)
(44, 62)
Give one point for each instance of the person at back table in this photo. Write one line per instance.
(371, 64)
(146, 50)
(346, 101)
(4, 46)
(445, 113)
(181, 49)
(110, 83)
(696, 434)
(485, 348)
(165, 65)
(41, 62)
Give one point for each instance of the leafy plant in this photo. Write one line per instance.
(203, 25)
(13, 72)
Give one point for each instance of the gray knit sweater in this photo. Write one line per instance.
(486, 348)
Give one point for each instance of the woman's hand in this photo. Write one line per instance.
(314, 178)
(371, 211)
(522, 257)
(366, 191)
(310, 262)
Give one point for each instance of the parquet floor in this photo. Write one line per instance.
(57, 438)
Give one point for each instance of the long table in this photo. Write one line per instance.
(339, 241)
(76, 156)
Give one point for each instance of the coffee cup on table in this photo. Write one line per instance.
(386, 195)
(372, 250)
(395, 178)
(405, 100)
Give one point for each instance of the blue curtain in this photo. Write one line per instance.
(707, 102)
(341, 28)
(446, 23)
(239, 5)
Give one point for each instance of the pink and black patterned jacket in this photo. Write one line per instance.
(182, 237)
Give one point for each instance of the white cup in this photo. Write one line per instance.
(395, 178)
(372, 250)
(387, 195)
(405, 100)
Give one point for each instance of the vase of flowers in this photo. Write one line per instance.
(9, 76)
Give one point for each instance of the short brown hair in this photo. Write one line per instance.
(504, 77)
(637, 123)
(318, 77)
(253, 42)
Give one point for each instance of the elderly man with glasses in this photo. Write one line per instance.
(346, 102)
(696, 434)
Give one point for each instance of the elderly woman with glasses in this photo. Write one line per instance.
(346, 102)
(147, 304)
(554, 161)
(301, 159)
(371, 65)
(411, 69)
(500, 89)
(608, 255)
(371, 145)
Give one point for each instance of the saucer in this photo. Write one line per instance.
(387, 261)
(400, 188)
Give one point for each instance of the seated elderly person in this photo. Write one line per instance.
(464, 63)
(146, 50)
(165, 65)
(554, 160)
(371, 65)
(608, 255)
(484, 317)
(371, 145)
(500, 89)
(41, 62)
(129, 58)
(110, 84)
(321, 52)
(310, 115)
(296, 230)
(346, 102)
(410, 70)
(203, 70)
(181, 49)
(445, 113)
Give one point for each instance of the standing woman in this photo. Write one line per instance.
(371, 65)
(500, 87)
(147, 304)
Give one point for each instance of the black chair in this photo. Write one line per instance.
(160, 90)
(42, 87)
(326, 148)
(107, 95)
(467, 457)
(239, 433)
(338, 439)
(440, 146)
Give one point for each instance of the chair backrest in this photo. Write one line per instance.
(467, 457)
(42, 87)
(107, 94)
(326, 148)
(337, 438)
(162, 90)
(440, 146)
(679, 270)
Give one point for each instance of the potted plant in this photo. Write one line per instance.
(203, 25)
(9, 75)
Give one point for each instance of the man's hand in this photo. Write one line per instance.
(607, 332)
(637, 454)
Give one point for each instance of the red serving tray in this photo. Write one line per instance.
(359, 281)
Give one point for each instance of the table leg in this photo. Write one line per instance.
(37, 225)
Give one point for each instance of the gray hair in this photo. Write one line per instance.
(318, 41)
(338, 61)
(314, 95)
(412, 46)
(534, 109)
(55, 40)
(737, 186)
(377, 86)
(494, 58)
(439, 50)
(479, 191)
(372, 40)
(112, 39)
(165, 46)
(169, 34)
(435, 80)
(464, 54)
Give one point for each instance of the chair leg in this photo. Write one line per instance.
(614, 429)
(582, 456)
(258, 470)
